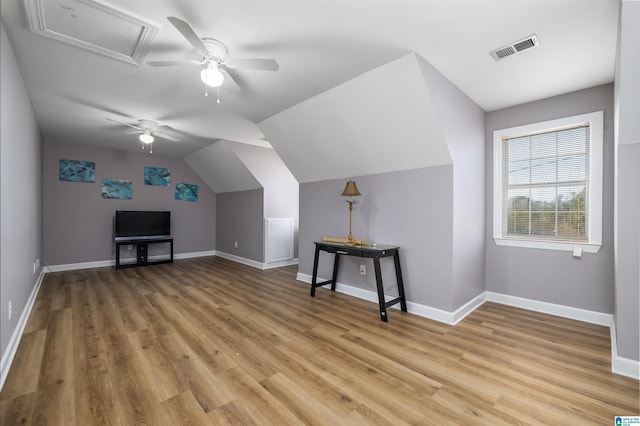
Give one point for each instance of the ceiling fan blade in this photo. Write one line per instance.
(188, 33)
(167, 137)
(253, 64)
(229, 79)
(125, 124)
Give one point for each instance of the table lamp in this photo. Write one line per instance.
(350, 190)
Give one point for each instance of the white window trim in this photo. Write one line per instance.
(594, 189)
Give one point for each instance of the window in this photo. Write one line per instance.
(547, 186)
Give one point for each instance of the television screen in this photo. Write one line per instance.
(130, 223)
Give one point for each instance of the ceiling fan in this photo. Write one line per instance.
(148, 131)
(214, 57)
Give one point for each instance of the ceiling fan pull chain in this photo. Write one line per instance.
(206, 92)
(151, 148)
(218, 94)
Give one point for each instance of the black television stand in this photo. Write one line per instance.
(142, 245)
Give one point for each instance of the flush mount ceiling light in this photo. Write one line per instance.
(211, 75)
(148, 131)
(146, 137)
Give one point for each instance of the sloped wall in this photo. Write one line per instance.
(414, 144)
(219, 166)
(280, 188)
(381, 121)
(245, 175)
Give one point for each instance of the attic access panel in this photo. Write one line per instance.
(92, 25)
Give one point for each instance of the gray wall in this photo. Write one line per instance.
(547, 275)
(436, 214)
(280, 187)
(627, 294)
(21, 193)
(78, 222)
(463, 124)
(628, 252)
(412, 209)
(239, 218)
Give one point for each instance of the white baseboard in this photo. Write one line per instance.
(16, 336)
(570, 312)
(279, 264)
(83, 265)
(450, 318)
(238, 259)
(619, 365)
(194, 254)
(255, 263)
(106, 263)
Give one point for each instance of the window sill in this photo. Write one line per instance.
(547, 245)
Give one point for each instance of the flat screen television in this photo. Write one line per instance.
(143, 224)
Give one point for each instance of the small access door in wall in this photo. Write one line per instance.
(278, 239)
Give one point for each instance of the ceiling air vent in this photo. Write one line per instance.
(513, 48)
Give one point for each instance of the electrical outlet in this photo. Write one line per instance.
(37, 262)
(236, 244)
(10, 309)
(34, 266)
(363, 269)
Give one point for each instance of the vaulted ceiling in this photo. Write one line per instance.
(318, 45)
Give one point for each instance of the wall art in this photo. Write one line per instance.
(186, 191)
(117, 189)
(157, 176)
(77, 171)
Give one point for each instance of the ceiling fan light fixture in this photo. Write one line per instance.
(146, 137)
(211, 75)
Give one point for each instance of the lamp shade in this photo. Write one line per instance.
(211, 75)
(350, 189)
(146, 137)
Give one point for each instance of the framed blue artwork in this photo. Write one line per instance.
(186, 192)
(157, 176)
(116, 189)
(77, 171)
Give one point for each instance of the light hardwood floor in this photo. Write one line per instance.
(208, 341)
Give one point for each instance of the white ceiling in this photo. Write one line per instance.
(319, 45)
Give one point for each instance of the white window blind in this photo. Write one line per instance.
(545, 185)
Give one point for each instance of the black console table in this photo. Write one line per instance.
(142, 246)
(366, 251)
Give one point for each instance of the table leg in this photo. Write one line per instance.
(334, 277)
(314, 277)
(403, 301)
(381, 301)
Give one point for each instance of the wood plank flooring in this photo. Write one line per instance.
(208, 341)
